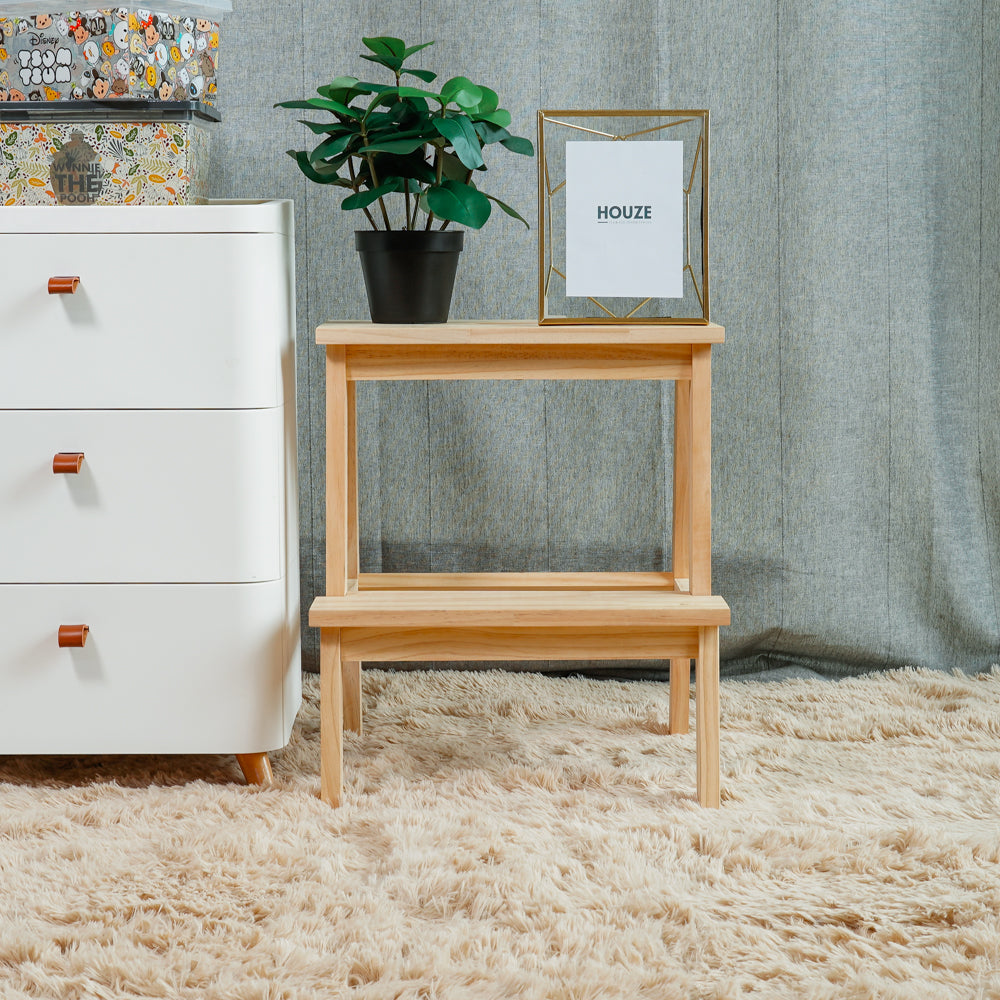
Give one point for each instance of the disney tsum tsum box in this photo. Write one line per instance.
(167, 54)
(112, 152)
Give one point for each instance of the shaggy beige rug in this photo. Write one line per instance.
(517, 835)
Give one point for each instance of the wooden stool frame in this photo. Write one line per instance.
(521, 616)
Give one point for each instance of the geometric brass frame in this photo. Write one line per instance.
(551, 182)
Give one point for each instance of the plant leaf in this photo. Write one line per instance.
(397, 146)
(517, 144)
(328, 128)
(508, 210)
(362, 199)
(460, 133)
(321, 175)
(331, 147)
(415, 48)
(390, 62)
(386, 45)
(322, 104)
(414, 92)
(460, 203)
(499, 117)
(452, 167)
(424, 74)
(462, 92)
(488, 104)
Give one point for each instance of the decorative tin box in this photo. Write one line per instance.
(122, 152)
(170, 54)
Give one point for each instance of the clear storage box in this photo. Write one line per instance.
(170, 53)
(116, 152)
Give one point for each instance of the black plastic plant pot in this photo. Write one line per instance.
(409, 274)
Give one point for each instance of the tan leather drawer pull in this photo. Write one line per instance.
(73, 635)
(63, 285)
(67, 461)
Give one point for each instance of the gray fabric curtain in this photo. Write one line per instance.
(854, 249)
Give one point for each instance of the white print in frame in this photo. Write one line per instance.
(625, 219)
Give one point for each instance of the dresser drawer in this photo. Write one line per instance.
(165, 669)
(157, 320)
(161, 496)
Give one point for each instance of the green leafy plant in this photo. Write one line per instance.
(426, 145)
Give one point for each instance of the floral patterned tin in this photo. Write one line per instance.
(164, 55)
(96, 156)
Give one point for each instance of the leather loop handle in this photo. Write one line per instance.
(73, 635)
(63, 285)
(67, 461)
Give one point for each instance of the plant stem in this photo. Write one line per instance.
(356, 188)
(374, 176)
(439, 168)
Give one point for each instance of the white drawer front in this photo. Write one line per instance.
(162, 321)
(162, 496)
(165, 669)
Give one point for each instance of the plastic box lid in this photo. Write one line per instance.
(213, 9)
(120, 109)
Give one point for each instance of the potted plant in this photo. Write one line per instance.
(424, 148)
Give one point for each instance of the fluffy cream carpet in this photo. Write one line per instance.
(516, 835)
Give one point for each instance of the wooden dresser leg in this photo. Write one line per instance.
(680, 694)
(707, 712)
(352, 695)
(331, 717)
(256, 768)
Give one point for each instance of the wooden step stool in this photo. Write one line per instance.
(521, 616)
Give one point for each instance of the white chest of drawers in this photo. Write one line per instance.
(170, 369)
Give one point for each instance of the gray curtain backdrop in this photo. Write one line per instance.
(854, 249)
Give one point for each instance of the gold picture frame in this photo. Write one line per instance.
(554, 129)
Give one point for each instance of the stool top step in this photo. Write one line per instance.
(516, 609)
(515, 333)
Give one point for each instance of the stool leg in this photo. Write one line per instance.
(256, 768)
(331, 717)
(680, 694)
(707, 712)
(352, 695)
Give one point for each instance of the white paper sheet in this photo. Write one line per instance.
(625, 219)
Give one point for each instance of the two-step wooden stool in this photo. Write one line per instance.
(522, 616)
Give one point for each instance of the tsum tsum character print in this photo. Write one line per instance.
(42, 21)
(77, 93)
(150, 76)
(186, 44)
(78, 28)
(207, 65)
(118, 87)
(4, 93)
(183, 79)
(99, 89)
(121, 35)
(108, 47)
(91, 52)
(151, 31)
(15, 95)
(62, 26)
(166, 90)
(121, 69)
(159, 55)
(196, 87)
